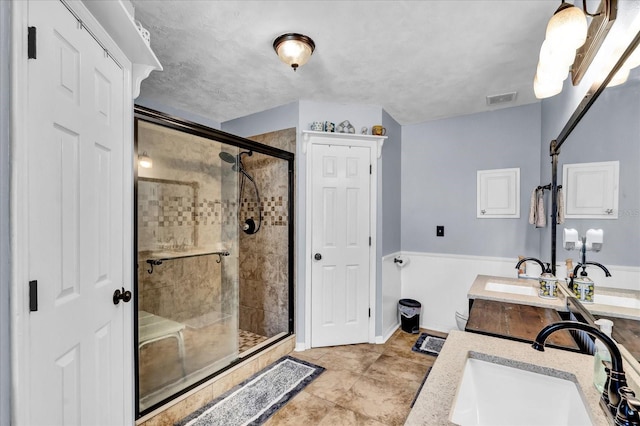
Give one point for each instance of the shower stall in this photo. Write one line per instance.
(214, 237)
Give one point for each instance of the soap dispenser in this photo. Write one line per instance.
(600, 355)
(548, 284)
(583, 287)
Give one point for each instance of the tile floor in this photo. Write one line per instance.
(247, 340)
(363, 384)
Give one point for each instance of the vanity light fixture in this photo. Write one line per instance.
(622, 75)
(294, 49)
(145, 161)
(571, 44)
(567, 26)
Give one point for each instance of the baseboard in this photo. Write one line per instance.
(382, 339)
(300, 347)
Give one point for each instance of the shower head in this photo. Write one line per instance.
(229, 158)
(235, 160)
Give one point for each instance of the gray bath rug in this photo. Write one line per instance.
(428, 344)
(256, 399)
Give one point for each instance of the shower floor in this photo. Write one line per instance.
(248, 340)
(207, 349)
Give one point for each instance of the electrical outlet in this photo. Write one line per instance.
(439, 231)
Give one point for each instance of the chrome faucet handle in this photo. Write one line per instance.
(627, 413)
(616, 377)
(605, 393)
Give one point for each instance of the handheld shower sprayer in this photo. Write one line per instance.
(249, 226)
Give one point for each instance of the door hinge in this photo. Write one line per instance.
(369, 312)
(31, 43)
(369, 241)
(370, 169)
(33, 296)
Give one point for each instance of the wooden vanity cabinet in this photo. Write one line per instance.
(517, 322)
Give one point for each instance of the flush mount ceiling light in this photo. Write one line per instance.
(571, 44)
(145, 161)
(294, 49)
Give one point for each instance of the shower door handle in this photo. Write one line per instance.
(317, 256)
(119, 295)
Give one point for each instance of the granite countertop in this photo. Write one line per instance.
(436, 399)
(610, 310)
(478, 291)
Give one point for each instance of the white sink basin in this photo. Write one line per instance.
(619, 301)
(495, 394)
(510, 288)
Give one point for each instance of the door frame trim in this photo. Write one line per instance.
(19, 121)
(374, 143)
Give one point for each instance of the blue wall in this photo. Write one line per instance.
(388, 209)
(610, 131)
(301, 114)
(279, 118)
(427, 175)
(439, 164)
(390, 186)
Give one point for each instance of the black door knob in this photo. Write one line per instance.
(318, 256)
(119, 295)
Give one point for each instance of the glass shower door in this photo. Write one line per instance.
(187, 246)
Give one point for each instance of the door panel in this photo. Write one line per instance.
(340, 235)
(75, 219)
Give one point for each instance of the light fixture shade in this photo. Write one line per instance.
(633, 60)
(551, 53)
(552, 72)
(294, 49)
(621, 76)
(546, 89)
(145, 161)
(568, 25)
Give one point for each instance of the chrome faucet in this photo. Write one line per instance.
(545, 269)
(584, 271)
(525, 259)
(521, 261)
(617, 400)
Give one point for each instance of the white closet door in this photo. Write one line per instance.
(340, 243)
(75, 217)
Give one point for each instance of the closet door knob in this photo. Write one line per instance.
(317, 256)
(119, 295)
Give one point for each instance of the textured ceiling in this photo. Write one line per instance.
(419, 60)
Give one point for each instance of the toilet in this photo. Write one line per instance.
(462, 315)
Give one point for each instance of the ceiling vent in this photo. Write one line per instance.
(501, 99)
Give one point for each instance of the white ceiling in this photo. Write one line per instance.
(419, 60)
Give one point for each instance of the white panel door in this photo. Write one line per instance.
(75, 221)
(340, 244)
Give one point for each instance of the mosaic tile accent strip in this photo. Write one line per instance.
(215, 212)
(274, 210)
(164, 204)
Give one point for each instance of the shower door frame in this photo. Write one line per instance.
(175, 123)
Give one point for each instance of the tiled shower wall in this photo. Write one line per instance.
(182, 209)
(264, 256)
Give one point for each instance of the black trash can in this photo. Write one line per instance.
(409, 315)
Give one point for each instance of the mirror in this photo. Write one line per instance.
(610, 131)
